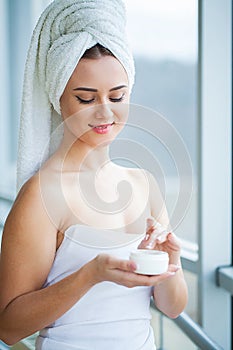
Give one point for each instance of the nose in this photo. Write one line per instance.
(104, 111)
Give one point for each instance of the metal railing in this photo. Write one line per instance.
(192, 330)
(224, 278)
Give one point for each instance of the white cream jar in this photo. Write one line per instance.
(150, 262)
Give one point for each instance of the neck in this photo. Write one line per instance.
(79, 156)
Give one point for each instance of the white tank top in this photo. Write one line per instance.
(109, 316)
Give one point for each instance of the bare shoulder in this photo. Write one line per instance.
(29, 190)
(28, 203)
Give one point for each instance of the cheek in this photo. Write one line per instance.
(77, 121)
(69, 106)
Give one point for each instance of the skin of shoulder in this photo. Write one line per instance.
(28, 245)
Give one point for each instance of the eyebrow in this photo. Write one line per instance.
(95, 90)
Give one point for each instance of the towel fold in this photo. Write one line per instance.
(65, 30)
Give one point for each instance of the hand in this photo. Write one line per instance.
(108, 268)
(158, 238)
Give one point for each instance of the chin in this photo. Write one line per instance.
(103, 143)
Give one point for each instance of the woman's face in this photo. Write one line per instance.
(94, 104)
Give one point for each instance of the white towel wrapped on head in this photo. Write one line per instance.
(65, 30)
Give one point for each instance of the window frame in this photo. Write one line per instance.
(215, 201)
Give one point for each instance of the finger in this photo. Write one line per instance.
(155, 233)
(151, 241)
(161, 237)
(150, 222)
(173, 268)
(173, 238)
(147, 243)
(125, 265)
(143, 244)
(173, 242)
(112, 262)
(157, 236)
(155, 279)
(130, 279)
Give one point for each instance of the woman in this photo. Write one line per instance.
(65, 267)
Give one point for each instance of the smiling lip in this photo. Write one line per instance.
(101, 128)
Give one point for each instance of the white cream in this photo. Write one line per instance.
(150, 262)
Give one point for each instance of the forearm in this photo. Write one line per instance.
(33, 311)
(171, 295)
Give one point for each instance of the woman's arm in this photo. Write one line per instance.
(28, 250)
(171, 295)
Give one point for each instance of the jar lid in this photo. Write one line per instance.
(149, 254)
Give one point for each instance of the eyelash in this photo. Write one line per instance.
(90, 101)
(84, 101)
(118, 99)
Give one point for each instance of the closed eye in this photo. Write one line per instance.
(117, 99)
(81, 100)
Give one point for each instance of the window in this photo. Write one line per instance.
(164, 39)
(163, 36)
(15, 36)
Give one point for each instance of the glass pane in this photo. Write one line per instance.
(163, 36)
(168, 335)
(15, 37)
